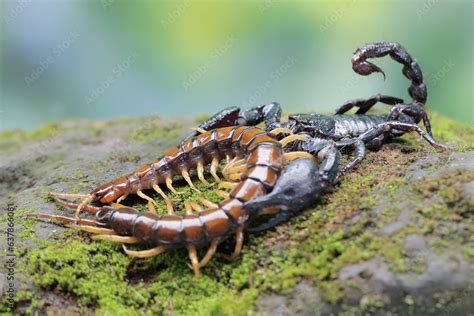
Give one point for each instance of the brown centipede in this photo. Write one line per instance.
(257, 160)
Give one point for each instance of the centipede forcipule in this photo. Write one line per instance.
(257, 161)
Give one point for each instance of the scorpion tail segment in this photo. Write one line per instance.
(411, 69)
(289, 193)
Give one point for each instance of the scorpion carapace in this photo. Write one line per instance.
(258, 159)
(272, 171)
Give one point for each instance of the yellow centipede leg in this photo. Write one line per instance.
(169, 204)
(144, 253)
(239, 241)
(214, 165)
(120, 199)
(208, 203)
(281, 130)
(169, 184)
(117, 238)
(186, 177)
(87, 200)
(298, 154)
(195, 206)
(227, 185)
(285, 141)
(200, 172)
(210, 253)
(198, 129)
(194, 260)
(222, 194)
(188, 207)
(151, 202)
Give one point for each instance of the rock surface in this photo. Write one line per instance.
(394, 236)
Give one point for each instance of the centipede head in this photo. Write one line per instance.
(110, 192)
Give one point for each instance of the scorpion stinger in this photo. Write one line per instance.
(417, 90)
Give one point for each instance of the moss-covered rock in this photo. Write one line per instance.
(395, 235)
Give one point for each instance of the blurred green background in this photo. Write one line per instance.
(111, 58)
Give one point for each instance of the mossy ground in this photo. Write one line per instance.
(97, 277)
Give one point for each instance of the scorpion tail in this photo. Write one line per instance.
(411, 69)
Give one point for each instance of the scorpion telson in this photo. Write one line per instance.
(275, 172)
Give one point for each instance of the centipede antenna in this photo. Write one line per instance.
(200, 172)
(117, 238)
(143, 253)
(289, 139)
(72, 206)
(61, 218)
(214, 165)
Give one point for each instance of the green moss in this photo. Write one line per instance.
(48, 130)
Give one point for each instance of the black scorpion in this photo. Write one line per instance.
(326, 135)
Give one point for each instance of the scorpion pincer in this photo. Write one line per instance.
(263, 160)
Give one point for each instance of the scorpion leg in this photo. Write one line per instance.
(406, 127)
(413, 110)
(365, 105)
(360, 152)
